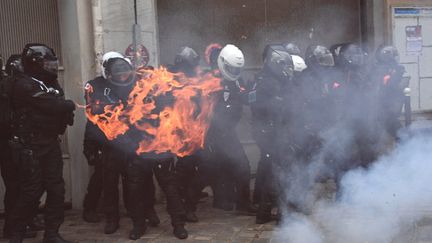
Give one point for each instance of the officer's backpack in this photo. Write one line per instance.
(6, 86)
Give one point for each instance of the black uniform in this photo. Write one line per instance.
(187, 167)
(9, 169)
(357, 125)
(110, 160)
(227, 154)
(139, 173)
(41, 115)
(307, 114)
(267, 121)
(388, 78)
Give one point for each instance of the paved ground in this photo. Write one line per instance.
(215, 226)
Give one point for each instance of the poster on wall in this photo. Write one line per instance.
(414, 40)
(140, 57)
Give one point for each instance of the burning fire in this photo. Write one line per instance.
(178, 126)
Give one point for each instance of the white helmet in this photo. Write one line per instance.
(231, 62)
(117, 69)
(299, 63)
(109, 55)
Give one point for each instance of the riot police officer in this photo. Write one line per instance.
(109, 159)
(232, 187)
(187, 168)
(271, 84)
(9, 169)
(306, 116)
(388, 73)
(41, 114)
(120, 153)
(101, 92)
(358, 113)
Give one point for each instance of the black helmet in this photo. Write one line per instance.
(317, 55)
(40, 61)
(387, 54)
(292, 48)
(279, 62)
(267, 49)
(187, 57)
(14, 65)
(351, 55)
(119, 71)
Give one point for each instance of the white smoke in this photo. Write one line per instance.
(374, 205)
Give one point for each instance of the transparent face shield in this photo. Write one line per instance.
(284, 63)
(121, 72)
(326, 60)
(234, 71)
(51, 66)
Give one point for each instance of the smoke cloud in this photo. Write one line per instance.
(373, 205)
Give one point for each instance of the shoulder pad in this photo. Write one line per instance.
(98, 82)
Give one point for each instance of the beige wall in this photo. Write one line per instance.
(115, 26)
(88, 29)
(78, 51)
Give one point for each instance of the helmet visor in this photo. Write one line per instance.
(234, 71)
(51, 66)
(120, 71)
(286, 68)
(326, 60)
(122, 77)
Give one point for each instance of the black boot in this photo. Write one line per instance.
(152, 218)
(264, 213)
(16, 239)
(180, 232)
(111, 225)
(27, 234)
(247, 209)
(54, 238)
(91, 216)
(137, 232)
(191, 217)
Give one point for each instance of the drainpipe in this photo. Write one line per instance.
(98, 33)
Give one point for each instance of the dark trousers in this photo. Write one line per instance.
(41, 170)
(9, 173)
(264, 183)
(139, 173)
(113, 168)
(187, 170)
(231, 184)
(94, 188)
(106, 178)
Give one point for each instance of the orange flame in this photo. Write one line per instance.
(181, 126)
(209, 49)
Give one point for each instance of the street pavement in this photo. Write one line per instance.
(215, 226)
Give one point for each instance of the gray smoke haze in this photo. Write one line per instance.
(374, 205)
(251, 25)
